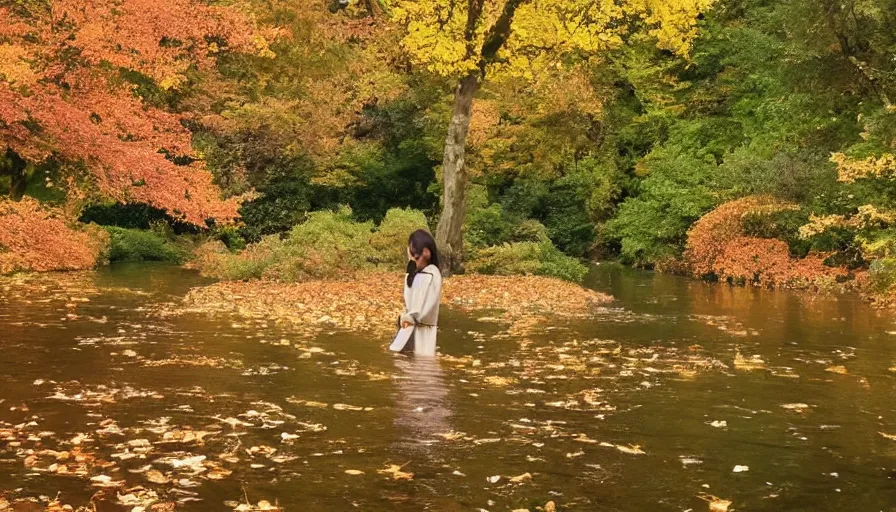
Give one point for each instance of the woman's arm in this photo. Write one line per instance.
(432, 297)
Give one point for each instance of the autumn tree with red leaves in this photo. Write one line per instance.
(70, 78)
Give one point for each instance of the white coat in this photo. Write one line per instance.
(421, 308)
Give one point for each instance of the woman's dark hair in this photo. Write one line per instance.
(421, 239)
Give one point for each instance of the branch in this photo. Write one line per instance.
(498, 34)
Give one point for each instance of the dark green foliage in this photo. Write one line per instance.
(142, 245)
(882, 275)
(528, 258)
(132, 216)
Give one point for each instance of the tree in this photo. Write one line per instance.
(75, 76)
(484, 39)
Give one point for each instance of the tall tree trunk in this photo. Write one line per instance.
(449, 233)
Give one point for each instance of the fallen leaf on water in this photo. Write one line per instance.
(262, 505)
(891, 437)
(719, 424)
(184, 436)
(452, 436)
(494, 479)
(740, 469)
(494, 380)
(138, 498)
(218, 473)
(353, 472)
(837, 369)
(105, 481)
(795, 407)
(233, 422)
(522, 478)
(550, 507)
(633, 449)
(396, 472)
(346, 407)
(156, 477)
(753, 363)
(716, 504)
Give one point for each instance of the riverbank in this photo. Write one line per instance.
(371, 302)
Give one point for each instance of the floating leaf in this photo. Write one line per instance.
(716, 504)
(396, 472)
(156, 477)
(525, 477)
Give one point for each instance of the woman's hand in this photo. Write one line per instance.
(405, 325)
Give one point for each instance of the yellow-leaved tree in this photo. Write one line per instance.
(475, 40)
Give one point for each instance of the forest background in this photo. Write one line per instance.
(748, 141)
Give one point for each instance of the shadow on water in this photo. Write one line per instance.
(647, 406)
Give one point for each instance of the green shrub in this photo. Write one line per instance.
(231, 236)
(390, 239)
(140, 245)
(332, 245)
(530, 230)
(882, 275)
(528, 258)
(328, 245)
(487, 226)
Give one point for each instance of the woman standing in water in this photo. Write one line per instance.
(422, 292)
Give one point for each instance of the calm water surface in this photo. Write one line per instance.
(640, 408)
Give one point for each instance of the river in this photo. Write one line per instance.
(680, 395)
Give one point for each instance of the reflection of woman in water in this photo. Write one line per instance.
(422, 292)
(422, 407)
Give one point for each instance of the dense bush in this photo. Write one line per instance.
(882, 275)
(528, 258)
(330, 244)
(142, 245)
(38, 238)
(487, 226)
(386, 241)
(719, 246)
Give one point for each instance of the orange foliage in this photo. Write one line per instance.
(60, 97)
(33, 238)
(343, 63)
(717, 246)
